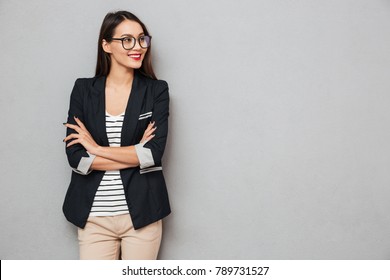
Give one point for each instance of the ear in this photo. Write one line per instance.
(106, 46)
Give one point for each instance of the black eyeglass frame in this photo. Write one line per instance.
(135, 41)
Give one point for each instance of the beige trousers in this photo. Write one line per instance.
(114, 237)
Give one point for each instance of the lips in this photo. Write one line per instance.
(135, 56)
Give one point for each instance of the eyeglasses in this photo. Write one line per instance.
(128, 43)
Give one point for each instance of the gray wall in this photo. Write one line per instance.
(279, 137)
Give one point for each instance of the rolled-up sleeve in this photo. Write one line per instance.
(144, 155)
(84, 167)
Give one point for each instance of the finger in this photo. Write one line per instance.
(72, 143)
(80, 123)
(149, 138)
(149, 132)
(150, 126)
(150, 129)
(71, 136)
(73, 126)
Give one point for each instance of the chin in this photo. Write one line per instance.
(135, 65)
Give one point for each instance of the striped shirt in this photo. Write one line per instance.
(110, 197)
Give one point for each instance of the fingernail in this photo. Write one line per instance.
(64, 123)
(63, 140)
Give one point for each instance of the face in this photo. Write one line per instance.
(121, 57)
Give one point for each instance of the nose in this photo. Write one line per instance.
(137, 45)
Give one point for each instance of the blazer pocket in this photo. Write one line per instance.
(145, 115)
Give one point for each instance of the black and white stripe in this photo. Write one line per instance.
(150, 169)
(145, 116)
(110, 197)
(114, 129)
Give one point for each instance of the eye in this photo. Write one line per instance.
(127, 39)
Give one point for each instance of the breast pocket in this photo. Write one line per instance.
(143, 121)
(145, 116)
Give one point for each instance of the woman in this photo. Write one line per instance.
(116, 134)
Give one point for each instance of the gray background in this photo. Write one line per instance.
(279, 136)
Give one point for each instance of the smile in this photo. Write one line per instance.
(135, 56)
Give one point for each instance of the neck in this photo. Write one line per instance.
(121, 76)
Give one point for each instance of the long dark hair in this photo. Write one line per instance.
(110, 22)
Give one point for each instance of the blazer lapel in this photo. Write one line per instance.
(99, 110)
(133, 111)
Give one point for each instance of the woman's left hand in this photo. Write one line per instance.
(82, 137)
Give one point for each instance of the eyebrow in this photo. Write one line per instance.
(132, 35)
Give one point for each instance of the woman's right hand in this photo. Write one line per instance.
(148, 134)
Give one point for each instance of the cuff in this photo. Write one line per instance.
(84, 165)
(144, 155)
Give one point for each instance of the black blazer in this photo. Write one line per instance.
(146, 193)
